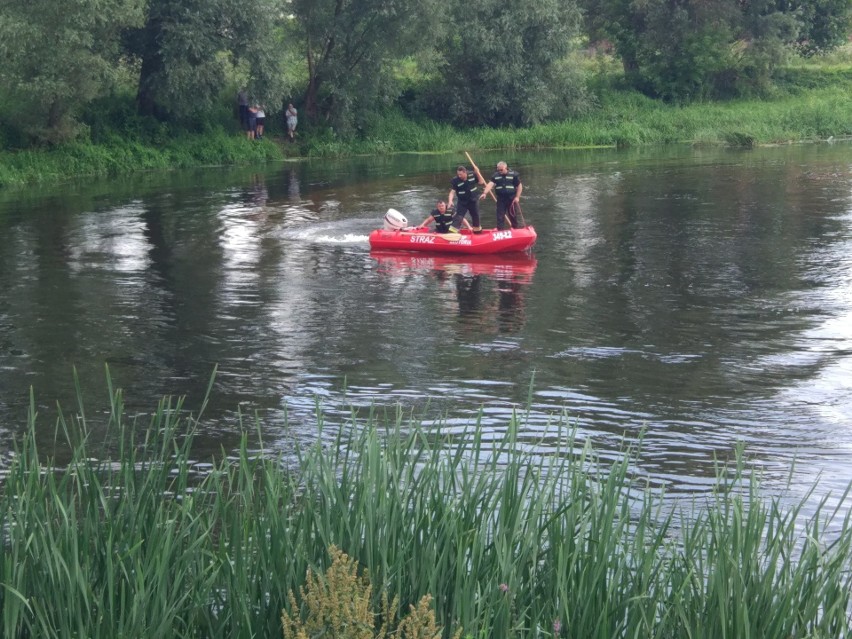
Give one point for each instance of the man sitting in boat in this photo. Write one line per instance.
(443, 218)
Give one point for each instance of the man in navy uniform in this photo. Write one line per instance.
(465, 185)
(508, 188)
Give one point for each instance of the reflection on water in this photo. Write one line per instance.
(488, 289)
(510, 266)
(704, 296)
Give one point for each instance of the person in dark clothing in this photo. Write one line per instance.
(508, 188)
(243, 104)
(443, 218)
(465, 185)
(251, 126)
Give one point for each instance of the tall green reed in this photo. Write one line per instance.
(128, 540)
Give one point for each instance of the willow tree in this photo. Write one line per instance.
(350, 47)
(506, 65)
(57, 57)
(185, 46)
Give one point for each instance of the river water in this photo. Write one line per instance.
(702, 297)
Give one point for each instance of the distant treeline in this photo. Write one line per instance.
(86, 69)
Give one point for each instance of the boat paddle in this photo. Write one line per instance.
(493, 197)
(476, 169)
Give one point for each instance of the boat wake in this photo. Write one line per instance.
(348, 238)
(331, 233)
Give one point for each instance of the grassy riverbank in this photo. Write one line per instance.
(629, 119)
(808, 103)
(117, 156)
(154, 543)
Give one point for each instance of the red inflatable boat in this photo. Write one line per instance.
(488, 242)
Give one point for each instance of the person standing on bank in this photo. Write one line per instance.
(251, 126)
(465, 185)
(292, 117)
(508, 188)
(443, 218)
(260, 121)
(242, 105)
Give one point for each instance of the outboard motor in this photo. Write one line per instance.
(394, 220)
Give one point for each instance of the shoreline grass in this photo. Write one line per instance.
(808, 105)
(118, 156)
(129, 539)
(630, 119)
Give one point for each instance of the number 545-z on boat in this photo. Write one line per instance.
(395, 235)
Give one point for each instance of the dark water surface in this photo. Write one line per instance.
(704, 295)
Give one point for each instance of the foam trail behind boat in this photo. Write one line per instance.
(330, 233)
(348, 238)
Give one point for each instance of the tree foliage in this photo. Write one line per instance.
(470, 62)
(825, 24)
(185, 46)
(503, 64)
(350, 47)
(684, 49)
(56, 57)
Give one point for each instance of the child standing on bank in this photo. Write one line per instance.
(260, 120)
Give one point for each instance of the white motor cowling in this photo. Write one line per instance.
(394, 220)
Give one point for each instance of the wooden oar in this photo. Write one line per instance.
(476, 168)
(451, 237)
(493, 197)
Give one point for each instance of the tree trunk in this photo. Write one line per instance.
(152, 66)
(54, 114)
(630, 65)
(311, 91)
(311, 106)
